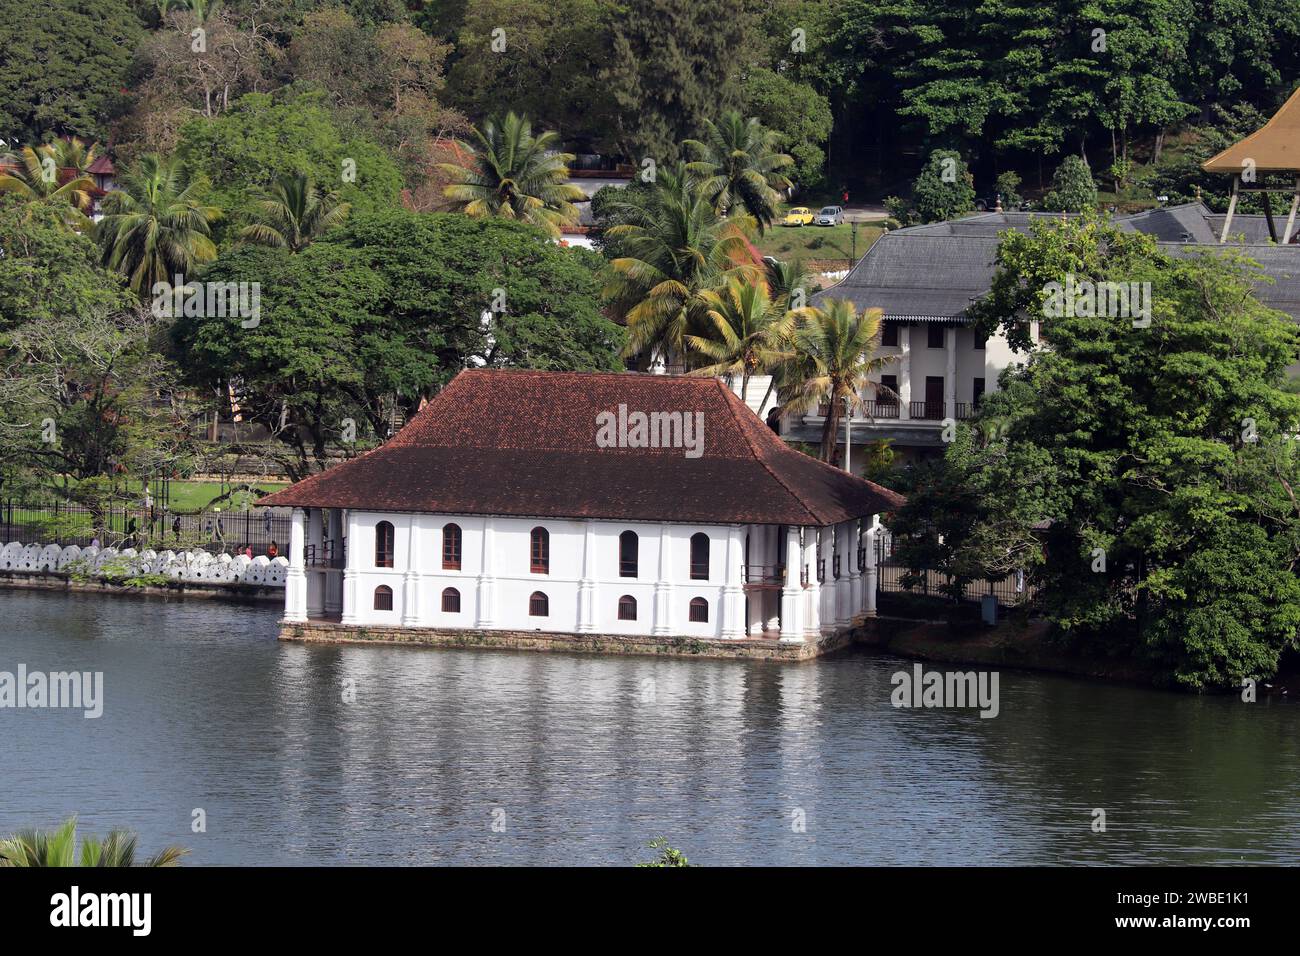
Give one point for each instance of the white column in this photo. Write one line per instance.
(813, 595)
(334, 580)
(792, 593)
(904, 372)
(411, 577)
(351, 605)
(772, 558)
(843, 586)
(825, 543)
(733, 591)
(316, 580)
(855, 576)
(869, 576)
(295, 585)
(950, 374)
(587, 584)
(663, 613)
(487, 582)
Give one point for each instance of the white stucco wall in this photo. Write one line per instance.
(417, 563)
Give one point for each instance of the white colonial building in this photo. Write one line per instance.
(926, 278)
(503, 506)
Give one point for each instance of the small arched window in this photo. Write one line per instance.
(450, 601)
(451, 547)
(383, 598)
(627, 608)
(699, 557)
(541, 551)
(384, 544)
(538, 605)
(699, 611)
(628, 546)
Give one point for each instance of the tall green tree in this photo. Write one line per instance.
(945, 189)
(384, 311)
(1073, 188)
(747, 332)
(41, 179)
(156, 225)
(1142, 467)
(671, 66)
(672, 248)
(515, 175)
(294, 212)
(740, 166)
(64, 65)
(834, 357)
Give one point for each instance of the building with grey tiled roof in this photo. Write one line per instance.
(925, 279)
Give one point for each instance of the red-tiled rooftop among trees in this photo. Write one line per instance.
(523, 443)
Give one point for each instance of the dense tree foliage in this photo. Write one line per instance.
(63, 66)
(393, 304)
(1142, 475)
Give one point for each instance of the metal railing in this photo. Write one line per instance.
(67, 523)
(926, 411)
(1011, 591)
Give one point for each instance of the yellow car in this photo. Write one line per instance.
(798, 216)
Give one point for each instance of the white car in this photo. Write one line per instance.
(829, 216)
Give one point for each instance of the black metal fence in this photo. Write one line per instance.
(66, 524)
(894, 577)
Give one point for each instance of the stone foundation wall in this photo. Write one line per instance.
(327, 632)
(56, 581)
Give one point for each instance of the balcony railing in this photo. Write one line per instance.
(926, 411)
(331, 555)
(966, 410)
(882, 409)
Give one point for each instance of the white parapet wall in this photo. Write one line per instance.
(197, 566)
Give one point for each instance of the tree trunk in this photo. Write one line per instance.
(828, 432)
(1159, 146)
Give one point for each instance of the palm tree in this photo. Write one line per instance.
(73, 152)
(515, 175)
(740, 164)
(36, 848)
(835, 355)
(156, 225)
(293, 212)
(788, 282)
(37, 181)
(748, 332)
(676, 247)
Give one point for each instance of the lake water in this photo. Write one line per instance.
(584, 759)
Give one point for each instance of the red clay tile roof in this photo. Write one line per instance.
(524, 443)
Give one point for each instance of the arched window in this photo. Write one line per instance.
(451, 547)
(699, 611)
(627, 608)
(538, 605)
(627, 555)
(450, 601)
(384, 545)
(699, 557)
(383, 598)
(541, 551)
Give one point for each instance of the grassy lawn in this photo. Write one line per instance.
(816, 242)
(196, 495)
